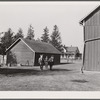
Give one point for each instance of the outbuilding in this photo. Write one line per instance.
(91, 27)
(26, 52)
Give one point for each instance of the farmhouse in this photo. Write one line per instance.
(91, 26)
(27, 52)
(71, 51)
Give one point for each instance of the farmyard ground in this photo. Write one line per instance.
(64, 77)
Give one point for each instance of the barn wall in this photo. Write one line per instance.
(94, 19)
(22, 53)
(92, 48)
(92, 26)
(92, 56)
(92, 32)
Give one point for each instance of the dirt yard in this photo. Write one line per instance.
(64, 77)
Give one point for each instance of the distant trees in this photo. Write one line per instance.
(45, 36)
(1, 52)
(11, 58)
(30, 34)
(6, 41)
(0, 42)
(8, 38)
(19, 34)
(56, 38)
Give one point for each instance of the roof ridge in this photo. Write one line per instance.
(38, 46)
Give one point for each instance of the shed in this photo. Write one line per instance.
(27, 52)
(91, 28)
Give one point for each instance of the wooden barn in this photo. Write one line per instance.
(91, 26)
(26, 52)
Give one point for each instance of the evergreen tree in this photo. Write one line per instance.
(19, 34)
(45, 36)
(6, 41)
(56, 39)
(0, 49)
(30, 34)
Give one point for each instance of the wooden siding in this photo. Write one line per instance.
(23, 54)
(91, 32)
(94, 20)
(92, 56)
(92, 48)
(92, 26)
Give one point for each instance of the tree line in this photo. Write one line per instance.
(10, 37)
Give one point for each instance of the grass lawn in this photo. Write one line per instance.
(64, 77)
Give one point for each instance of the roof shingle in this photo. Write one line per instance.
(41, 47)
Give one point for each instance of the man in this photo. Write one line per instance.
(46, 62)
(41, 62)
(51, 62)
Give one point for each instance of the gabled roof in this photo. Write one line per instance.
(71, 49)
(37, 46)
(90, 14)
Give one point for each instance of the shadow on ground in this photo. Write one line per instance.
(80, 81)
(15, 71)
(62, 63)
(66, 63)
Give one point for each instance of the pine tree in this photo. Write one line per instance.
(30, 34)
(6, 41)
(19, 34)
(56, 38)
(45, 36)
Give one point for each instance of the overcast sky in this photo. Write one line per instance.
(66, 15)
